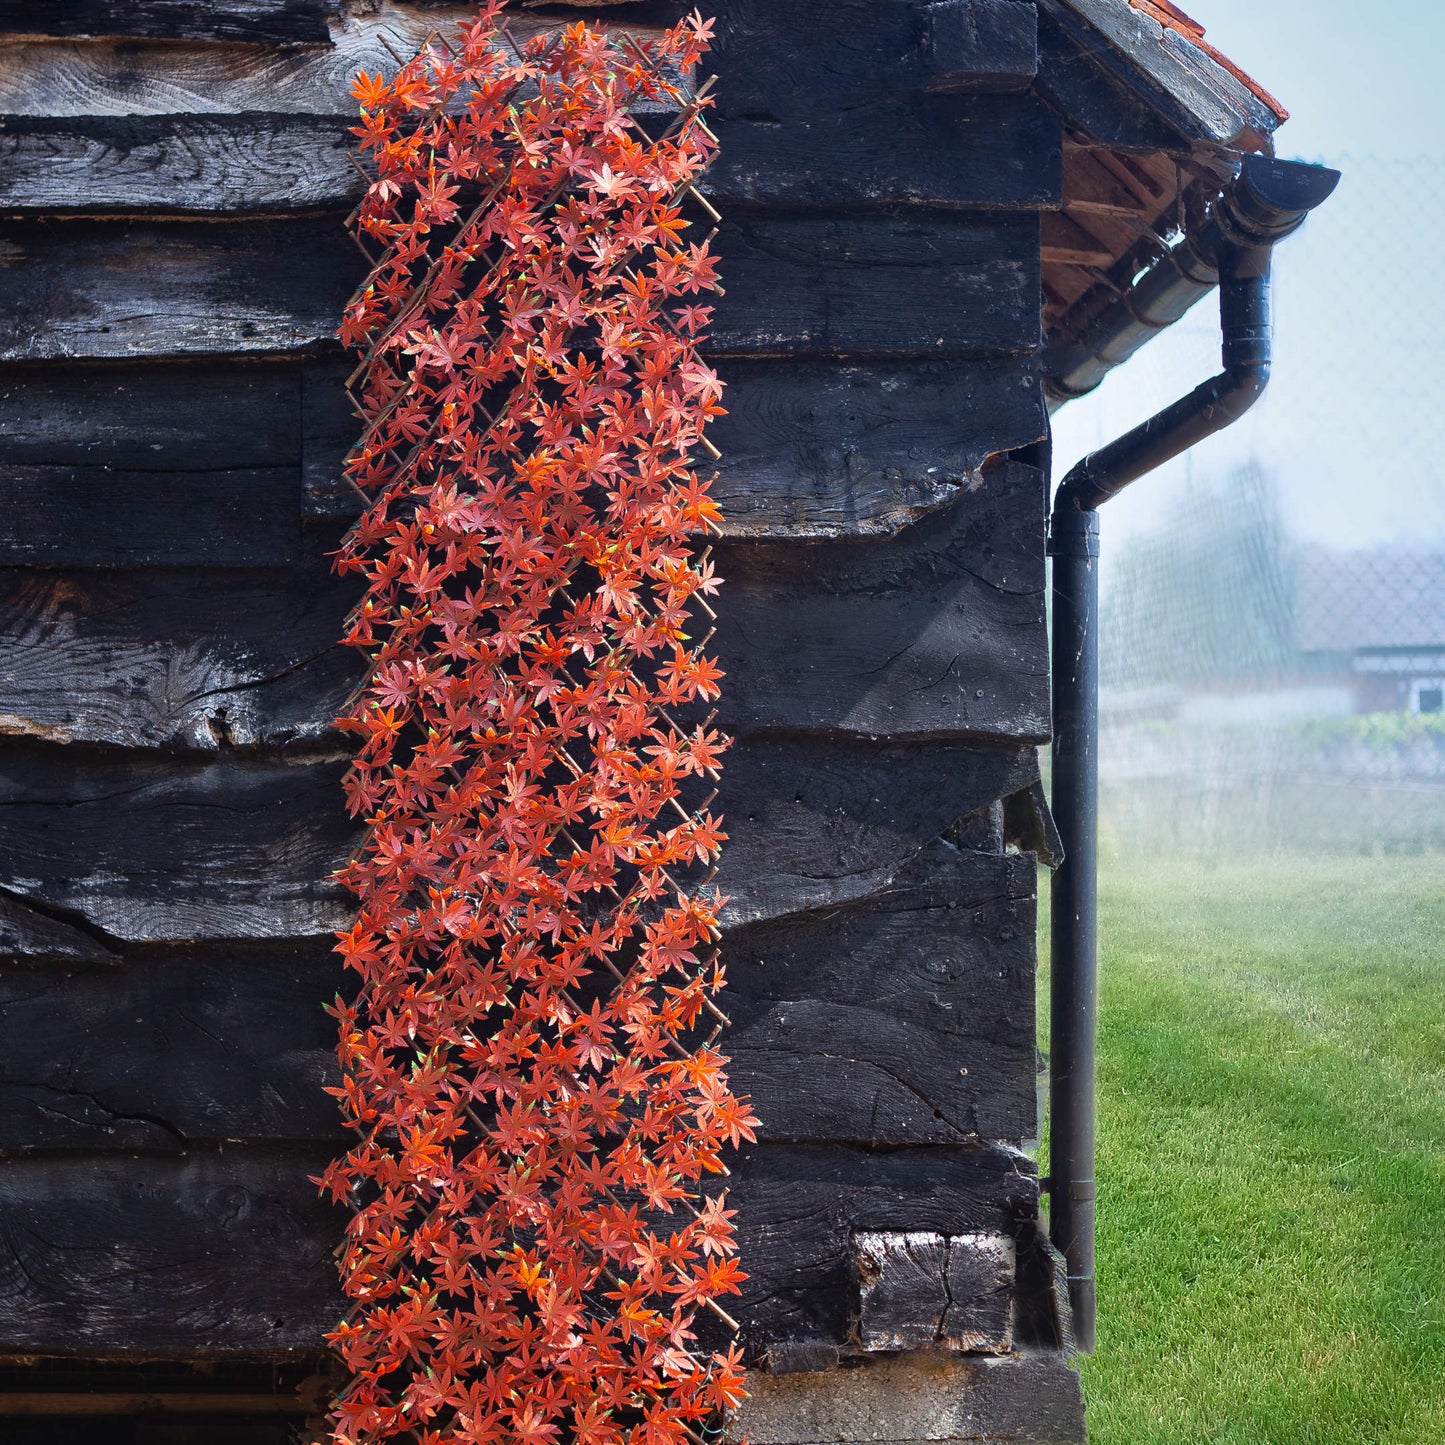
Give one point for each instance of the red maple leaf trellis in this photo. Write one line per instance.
(527, 1063)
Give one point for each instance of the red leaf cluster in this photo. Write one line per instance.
(525, 1063)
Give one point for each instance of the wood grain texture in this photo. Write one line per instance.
(981, 45)
(83, 289)
(163, 76)
(175, 659)
(944, 285)
(131, 165)
(228, 1252)
(218, 1042)
(957, 151)
(823, 103)
(813, 825)
(811, 449)
(920, 1290)
(1098, 104)
(937, 632)
(209, 1254)
(283, 22)
(29, 935)
(139, 466)
(175, 847)
(903, 1018)
(1028, 1398)
(937, 285)
(800, 1206)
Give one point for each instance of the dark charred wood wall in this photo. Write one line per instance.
(172, 266)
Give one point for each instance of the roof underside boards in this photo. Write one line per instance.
(1158, 53)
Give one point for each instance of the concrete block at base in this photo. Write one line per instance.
(1028, 1398)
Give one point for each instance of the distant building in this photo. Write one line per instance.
(1375, 620)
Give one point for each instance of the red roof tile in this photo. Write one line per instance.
(1173, 18)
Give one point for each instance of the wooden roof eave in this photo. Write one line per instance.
(1191, 92)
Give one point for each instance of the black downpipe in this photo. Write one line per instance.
(1266, 202)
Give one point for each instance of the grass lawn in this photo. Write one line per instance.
(1271, 1154)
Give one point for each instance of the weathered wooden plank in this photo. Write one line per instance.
(903, 1018)
(937, 285)
(919, 1290)
(824, 103)
(941, 285)
(208, 1254)
(228, 1252)
(164, 658)
(283, 22)
(31, 935)
(944, 150)
(813, 826)
(163, 76)
(982, 45)
(1175, 79)
(134, 415)
(131, 165)
(174, 848)
(154, 465)
(925, 153)
(199, 1043)
(938, 632)
(168, 848)
(800, 1206)
(820, 103)
(1028, 1398)
(84, 289)
(811, 449)
(77, 516)
(1092, 101)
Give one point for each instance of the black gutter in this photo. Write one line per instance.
(1231, 245)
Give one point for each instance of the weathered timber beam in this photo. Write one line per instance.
(819, 104)
(812, 826)
(939, 285)
(810, 449)
(165, 76)
(1028, 1398)
(284, 22)
(168, 658)
(929, 154)
(801, 1206)
(229, 1253)
(175, 165)
(937, 632)
(201, 1042)
(214, 1254)
(902, 1018)
(1164, 70)
(173, 848)
(982, 45)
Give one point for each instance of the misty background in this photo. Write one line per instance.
(1274, 602)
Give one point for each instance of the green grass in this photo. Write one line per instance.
(1271, 1154)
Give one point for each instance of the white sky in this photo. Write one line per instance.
(1353, 425)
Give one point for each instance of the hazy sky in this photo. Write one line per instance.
(1353, 425)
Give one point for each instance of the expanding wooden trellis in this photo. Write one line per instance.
(525, 1062)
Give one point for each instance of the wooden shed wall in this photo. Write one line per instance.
(172, 265)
